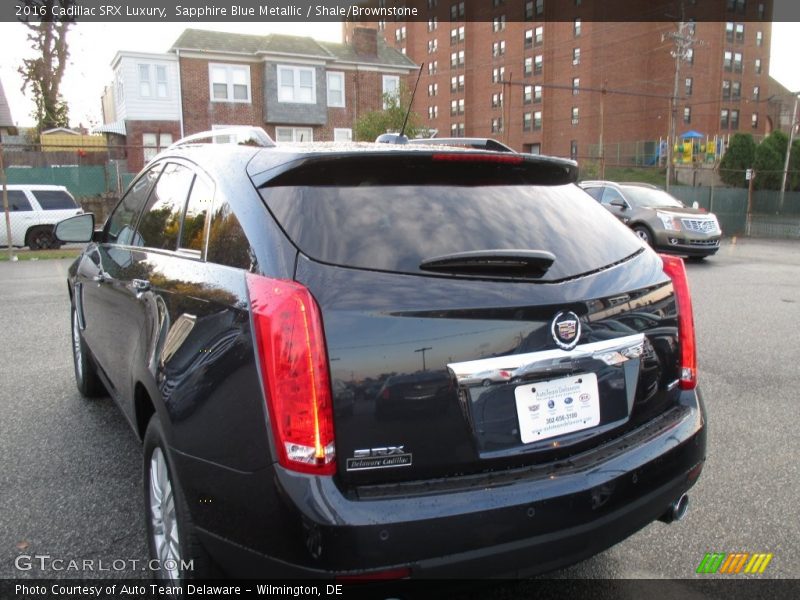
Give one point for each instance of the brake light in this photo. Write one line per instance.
(294, 367)
(676, 270)
(482, 158)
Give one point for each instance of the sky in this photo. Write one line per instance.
(93, 46)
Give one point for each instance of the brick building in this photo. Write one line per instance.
(531, 73)
(297, 88)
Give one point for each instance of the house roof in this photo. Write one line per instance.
(5, 111)
(240, 43)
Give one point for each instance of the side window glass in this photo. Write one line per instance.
(610, 194)
(160, 224)
(122, 222)
(54, 200)
(17, 201)
(595, 192)
(227, 244)
(198, 209)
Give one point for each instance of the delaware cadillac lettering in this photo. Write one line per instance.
(379, 458)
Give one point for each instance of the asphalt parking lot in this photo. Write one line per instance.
(70, 482)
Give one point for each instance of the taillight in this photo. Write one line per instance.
(675, 269)
(294, 366)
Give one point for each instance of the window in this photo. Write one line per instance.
(335, 88)
(756, 92)
(537, 119)
(457, 34)
(576, 84)
(498, 74)
(119, 228)
(18, 202)
(576, 56)
(120, 90)
(726, 89)
(432, 4)
(457, 107)
(576, 27)
(741, 5)
(160, 224)
(532, 148)
(54, 199)
(539, 8)
(527, 68)
(689, 57)
(729, 31)
(736, 90)
(538, 36)
(457, 59)
(687, 114)
(538, 62)
(227, 244)
(230, 83)
(575, 115)
(727, 60)
(144, 81)
(497, 100)
(529, 38)
(198, 209)
(758, 66)
(153, 143)
(734, 119)
(297, 85)
(527, 94)
(391, 88)
(457, 83)
(754, 120)
(737, 62)
(529, 10)
(724, 118)
(342, 134)
(759, 38)
(497, 125)
(433, 67)
(537, 93)
(499, 48)
(456, 11)
(400, 34)
(740, 33)
(433, 89)
(433, 112)
(433, 45)
(688, 85)
(573, 149)
(499, 23)
(433, 24)
(527, 121)
(761, 11)
(294, 134)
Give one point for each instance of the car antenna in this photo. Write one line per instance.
(411, 102)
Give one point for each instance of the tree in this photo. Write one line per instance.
(769, 160)
(42, 74)
(738, 158)
(376, 122)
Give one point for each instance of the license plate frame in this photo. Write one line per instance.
(548, 409)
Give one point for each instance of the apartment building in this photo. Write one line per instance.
(296, 88)
(556, 77)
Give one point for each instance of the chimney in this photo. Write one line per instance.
(365, 41)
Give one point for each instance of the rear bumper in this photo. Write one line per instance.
(533, 522)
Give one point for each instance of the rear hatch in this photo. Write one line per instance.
(480, 311)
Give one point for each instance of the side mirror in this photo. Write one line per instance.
(79, 228)
(620, 203)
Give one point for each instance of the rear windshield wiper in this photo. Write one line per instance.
(531, 263)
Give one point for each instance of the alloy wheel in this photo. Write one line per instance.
(163, 517)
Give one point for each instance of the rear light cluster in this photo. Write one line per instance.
(294, 366)
(676, 270)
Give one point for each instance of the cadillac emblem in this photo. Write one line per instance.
(566, 330)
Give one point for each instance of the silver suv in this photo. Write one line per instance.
(658, 218)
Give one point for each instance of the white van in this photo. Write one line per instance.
(34, 211)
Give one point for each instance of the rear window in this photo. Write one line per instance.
(54, 199)
(394, 228)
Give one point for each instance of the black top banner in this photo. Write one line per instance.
(198, 11)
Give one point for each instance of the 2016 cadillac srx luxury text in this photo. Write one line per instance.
(386, 361)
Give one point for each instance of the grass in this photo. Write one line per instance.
(25, 254)
(654, 175)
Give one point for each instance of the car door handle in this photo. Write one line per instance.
(140, 285)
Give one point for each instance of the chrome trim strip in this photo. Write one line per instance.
(612, 352)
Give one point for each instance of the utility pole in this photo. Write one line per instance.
(684, 40)
(3, 183)
(602, 127)
(793, 122)
(423, 350)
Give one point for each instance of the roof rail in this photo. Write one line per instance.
(477, 143)
(242, 135)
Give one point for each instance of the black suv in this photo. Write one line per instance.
(386, 361)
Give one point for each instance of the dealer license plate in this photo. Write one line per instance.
(547, 409)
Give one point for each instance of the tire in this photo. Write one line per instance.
(643, 233)
(170, 532)
(86, 377)
(486, 382)
(42, 238)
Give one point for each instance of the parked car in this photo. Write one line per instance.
(233, 286)
(658, 218)
(34, 210)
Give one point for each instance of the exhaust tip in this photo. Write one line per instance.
(676, 511)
